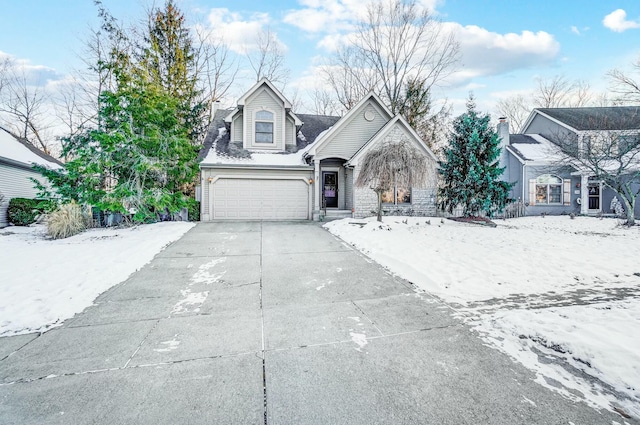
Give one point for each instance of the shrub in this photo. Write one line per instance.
(22, 211)
(68, 220)
(193, 207)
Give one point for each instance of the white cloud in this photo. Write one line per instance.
(238, 32)
(617, 21)
(575, 30)
(485, 53)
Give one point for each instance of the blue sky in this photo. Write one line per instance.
(505, 44)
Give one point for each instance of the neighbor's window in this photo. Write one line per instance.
(264, 127)
(548, 189)
(397, 195)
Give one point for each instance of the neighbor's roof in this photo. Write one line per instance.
(534, 148)
(23, 153)
(218, 150)
(597, 118)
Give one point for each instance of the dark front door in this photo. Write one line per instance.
(594, 196)
(330, 189)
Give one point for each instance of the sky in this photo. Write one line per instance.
(504, 45)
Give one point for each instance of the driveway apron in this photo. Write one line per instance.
(269, 323)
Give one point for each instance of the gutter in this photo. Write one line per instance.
(18, 164)
(259, 167)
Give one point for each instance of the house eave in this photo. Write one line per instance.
(257, 167)
(17, 164)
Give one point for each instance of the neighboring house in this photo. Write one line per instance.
(546, 179)
(16, 159)
(262, 161)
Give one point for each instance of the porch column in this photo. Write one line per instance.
(584, 194)
(317, 184)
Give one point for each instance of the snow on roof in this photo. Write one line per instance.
(542, 150)
(13, 149)
(266, 158)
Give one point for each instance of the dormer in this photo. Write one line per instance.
(263, 121)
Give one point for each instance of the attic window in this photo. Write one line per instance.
(264, 127)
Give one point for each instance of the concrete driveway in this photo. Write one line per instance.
(278, 323)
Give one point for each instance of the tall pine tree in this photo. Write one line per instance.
(470, 171)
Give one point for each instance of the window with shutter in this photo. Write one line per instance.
(566, 196)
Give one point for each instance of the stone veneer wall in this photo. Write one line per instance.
(423, 203)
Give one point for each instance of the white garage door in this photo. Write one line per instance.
(260, 199)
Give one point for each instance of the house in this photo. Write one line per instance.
(541, 159)
(16, 159)
(262, 161)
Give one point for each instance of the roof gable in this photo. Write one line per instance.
(327, 137)
(396, 123)
(264, 82)
(591, 118)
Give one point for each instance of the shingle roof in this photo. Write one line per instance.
(597, 118)
(312, 127)
(35, 151)
(534, 148)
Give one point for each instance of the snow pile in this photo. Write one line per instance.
(45, 281)
(463, 263)
(560, 296)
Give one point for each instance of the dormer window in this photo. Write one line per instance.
(264, 127)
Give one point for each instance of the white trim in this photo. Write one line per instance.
(535, 112)
(325, 137)
(259, 84)
(382, 133)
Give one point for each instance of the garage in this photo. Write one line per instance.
(260, 199)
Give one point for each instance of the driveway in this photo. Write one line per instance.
(278, 323)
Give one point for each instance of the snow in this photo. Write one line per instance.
(257, 157)
(543, 151)
(46, 281)
(12, 149)
(559, 295)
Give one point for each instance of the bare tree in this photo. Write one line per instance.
(516, 108)
(267, 60)
(554, 92)
(23, 103)
(394, 42)
(396, 163)
(624, 86)
(323, 102)
(609, 155)
(216, 70)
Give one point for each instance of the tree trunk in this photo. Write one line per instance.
(379, 192)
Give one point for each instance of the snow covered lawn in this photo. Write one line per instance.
(43, 282)
(561, 296)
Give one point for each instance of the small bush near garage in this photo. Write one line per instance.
(193, 208)
(68, 220)
(23, 211)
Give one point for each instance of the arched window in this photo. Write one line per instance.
(264, 127)
(548, 189)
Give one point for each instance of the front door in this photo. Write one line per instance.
(330, 189)
(594, 196)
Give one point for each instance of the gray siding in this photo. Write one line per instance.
(237, 128)
(290, 133)
(353, 134)
(513, 174)
(533, 172)
(15, 183)
(348, 190)
(551, 130)
(265, 99)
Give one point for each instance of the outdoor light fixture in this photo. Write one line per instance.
(310, 181)
(210, 179)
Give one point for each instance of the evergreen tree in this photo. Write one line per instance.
(139, 157)
(470, 172)
(169, 61)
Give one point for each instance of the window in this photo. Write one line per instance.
(264, 127)
(548, 189)
(397, 195)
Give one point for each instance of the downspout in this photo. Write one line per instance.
(523, 183)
